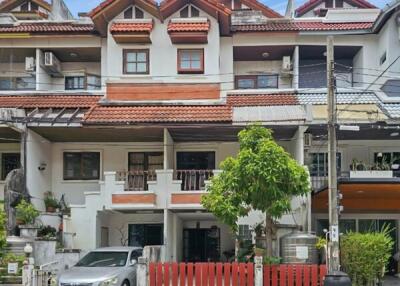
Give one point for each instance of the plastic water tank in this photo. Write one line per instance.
(299, 248)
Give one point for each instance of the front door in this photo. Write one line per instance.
(201, 244)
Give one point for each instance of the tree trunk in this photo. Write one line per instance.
(269, 233)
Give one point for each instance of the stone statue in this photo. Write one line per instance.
(14, 192)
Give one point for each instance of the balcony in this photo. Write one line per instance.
(193, 180)
(135, 181)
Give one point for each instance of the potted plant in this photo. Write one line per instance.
(27, 214)
(50, 202)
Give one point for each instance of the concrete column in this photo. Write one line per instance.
(168, 150)
(141, 272)
(296, 60)
(258, 271)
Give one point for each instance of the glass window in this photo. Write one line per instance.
(244, 232)
(74, 82)
(139, 161)
(145, 234)
(136, 61)
(194, 12)
(196, 160)
(345, 225)
(81, 165)
(391, 88)
(256, 81)
(318, 165)
(388, 158)
(93, 82)
(18, 83)
(128, 14)
(382, 60)
(184, 13)
(103, 259)
(138, 13)
(190, 61)
(9, 162)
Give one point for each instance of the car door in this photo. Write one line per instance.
(135, 254)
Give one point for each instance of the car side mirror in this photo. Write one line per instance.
(133, 262)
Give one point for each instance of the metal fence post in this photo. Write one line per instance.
(258, 271)
(142, 278)
(27, 274)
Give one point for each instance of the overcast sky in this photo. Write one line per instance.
(278, 5)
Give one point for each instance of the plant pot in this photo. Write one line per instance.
(19, 222)
(28, 231)
(50, 209)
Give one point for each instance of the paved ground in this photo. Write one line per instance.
(391, 281)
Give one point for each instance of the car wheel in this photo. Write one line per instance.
(125, 283)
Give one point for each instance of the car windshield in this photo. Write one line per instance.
(103, 259)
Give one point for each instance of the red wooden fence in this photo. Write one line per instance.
(233, 274)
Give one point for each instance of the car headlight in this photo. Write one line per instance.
(109, 282)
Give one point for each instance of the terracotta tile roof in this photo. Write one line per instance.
(262, 99)
(158, 114)
(13, 3)
(308, 5)
(188, 26)
(48, 27)
(297, 26)
(49, 101)
(107, 3)
(131, 27)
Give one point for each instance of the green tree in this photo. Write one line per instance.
(263, 177)
(3, 232)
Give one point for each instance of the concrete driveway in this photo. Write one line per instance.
(391, 281)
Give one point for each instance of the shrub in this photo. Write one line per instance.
(26, 212)
(50, 201)
(47, 232)
(11, 258)
(3, 233)
(365, 256)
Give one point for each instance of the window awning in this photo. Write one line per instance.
(189, 30)
(132, 31)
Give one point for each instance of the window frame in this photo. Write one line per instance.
(3, 174)
(81, 178)
(324, 165)
(125, 52)
(190, 70)
(256, 80)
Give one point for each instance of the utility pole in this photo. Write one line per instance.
(334, 259)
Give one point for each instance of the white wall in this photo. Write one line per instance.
(38, 182)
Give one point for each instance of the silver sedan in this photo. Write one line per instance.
(109, 266)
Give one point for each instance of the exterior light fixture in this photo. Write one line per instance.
(265, 55)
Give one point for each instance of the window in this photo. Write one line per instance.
(138, 13)
(189, 12)
(17, 83)
(190, 61)
(196, 160)
(256, 81)
(319, 164)
(74, 82)
(141, 161)
(81, 165)
(388, 158)
(9, 162)
(136, 61)
(128, 14)
(145, 234)
(391, 88)
(382, 60)
(345, 225)
(93, 82)
(339, 4)
(244, 232)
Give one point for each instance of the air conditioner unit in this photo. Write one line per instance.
(308, 140)
(51, 64)
(286, 63)
(30, 64)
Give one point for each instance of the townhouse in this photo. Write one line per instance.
(127, 112)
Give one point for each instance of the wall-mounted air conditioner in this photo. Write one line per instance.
(51, 64)
(30, 64)
(308, 140)
(286, 63)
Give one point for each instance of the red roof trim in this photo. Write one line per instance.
(107, 3)
(49, 101)
(188, 26)
(307, 6)
(37, 27)
(256, 5)
(262, 99)
(14, 3)
(291, 26)
(131, 27)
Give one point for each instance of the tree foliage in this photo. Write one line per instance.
(263, 176)
(365, 255)
(3, 232)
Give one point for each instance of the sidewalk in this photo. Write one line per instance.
(391, 281)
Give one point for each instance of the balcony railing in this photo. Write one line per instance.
(136, 180)
(193, 180)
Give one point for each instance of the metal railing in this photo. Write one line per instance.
(136, 180)
(193, 180)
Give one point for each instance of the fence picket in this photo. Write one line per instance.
(235, 270)
(322, 273)
(166, 274)
(299, 277)
(190, 274)
(274, 274)
(250, 274)
(290, 279)
(219, 274)
(242, 274)
(267, 275)
(314, 275)
(182, 274)
(211, 274)
(204, 274)
(227, 274)
(174, 268)
(306, 275)
(159, 277)
(197, 274)
(152, 272)
(282, 275)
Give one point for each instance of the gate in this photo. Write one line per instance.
(233, 274)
